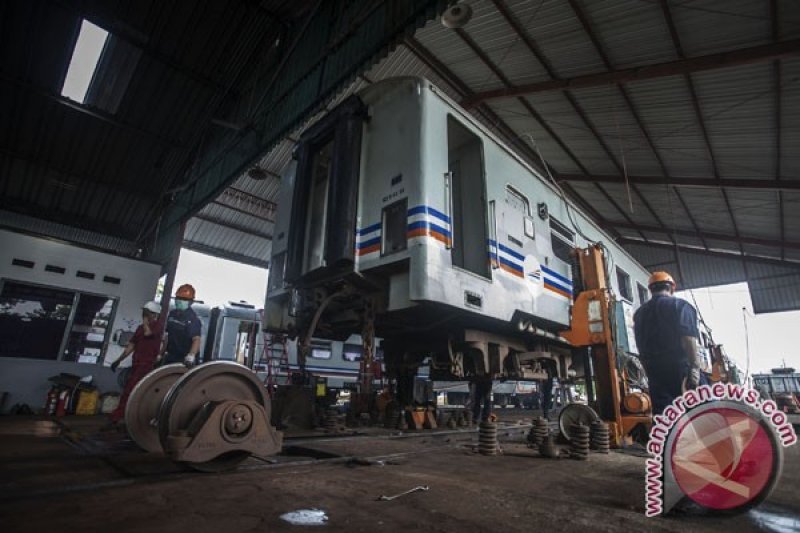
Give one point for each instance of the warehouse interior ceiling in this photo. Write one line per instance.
(672, 123)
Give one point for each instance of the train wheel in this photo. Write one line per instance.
(575, 413)
(205, 386)
(141, 413)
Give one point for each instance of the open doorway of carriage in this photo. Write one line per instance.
(467, 199)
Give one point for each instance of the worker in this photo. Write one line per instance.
(666, 335)
(183, 329)
(547, 387)
(482, 399)
(145, 345)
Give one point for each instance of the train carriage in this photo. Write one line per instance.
(403, 211)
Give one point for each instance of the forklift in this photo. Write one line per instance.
(598, 331)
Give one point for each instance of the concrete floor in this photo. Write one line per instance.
(66, 476)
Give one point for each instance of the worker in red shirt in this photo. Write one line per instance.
(145, 345)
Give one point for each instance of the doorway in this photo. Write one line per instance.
(468, 199)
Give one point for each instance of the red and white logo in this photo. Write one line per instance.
(721, 446)
(723, 458)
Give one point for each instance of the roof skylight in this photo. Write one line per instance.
(85, 56)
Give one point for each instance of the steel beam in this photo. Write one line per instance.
(169, 271)
(731, 58)
(673, 31)
(225, 254)
(733, 255)
(776, 70)
(233, 226)
(582, 114)
(243, 211)
(247, 204)
(714, 236)
(732, 183)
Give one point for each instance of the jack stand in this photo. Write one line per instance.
(363, 402)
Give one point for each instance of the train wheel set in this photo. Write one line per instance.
(210, 418)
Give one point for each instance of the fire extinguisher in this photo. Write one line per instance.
(61, 405)
(52, 400)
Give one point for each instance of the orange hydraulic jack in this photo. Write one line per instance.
(592, 328)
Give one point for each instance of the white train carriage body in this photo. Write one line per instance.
(233, 333)
(401, 189)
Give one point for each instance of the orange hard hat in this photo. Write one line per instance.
(185, 292)
(660, 277)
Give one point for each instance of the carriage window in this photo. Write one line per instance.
(563, 240)
(320, 350)
(352, 352)
(520, 203)
(642, 293)
(517, 200)
(624, 284)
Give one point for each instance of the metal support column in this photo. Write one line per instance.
(169, 283)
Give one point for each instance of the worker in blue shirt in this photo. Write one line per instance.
(666, 335)
(183, 329)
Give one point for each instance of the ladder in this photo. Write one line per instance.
(277, 359)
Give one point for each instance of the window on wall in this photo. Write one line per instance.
(624, 284)
(40, 322)
(320, 349)
(355, 353)
(352, 352)
(563, 240)
(89, 329)
(517, 200)
(643, 295)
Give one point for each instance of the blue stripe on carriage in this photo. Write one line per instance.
(511, 264)
(368, 229)
(557, 286)
(430, 210)
(512, 253)
(506, 249)
(423, 224)
(556, 275)
(367, 244)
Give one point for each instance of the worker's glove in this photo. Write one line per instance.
(188, 360)
(115, 365)
(693, 379)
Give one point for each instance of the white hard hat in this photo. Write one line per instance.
(153, 307)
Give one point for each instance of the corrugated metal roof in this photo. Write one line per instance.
(718, 26)
(776, 294)
(665, 105)
(46, 228)
(110, 169)
(621, 23)
(692, 133)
